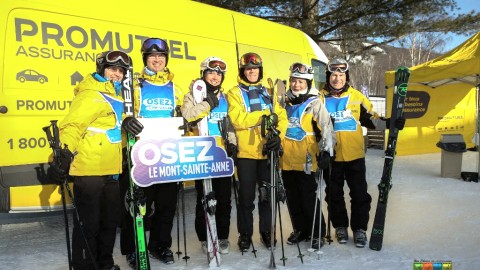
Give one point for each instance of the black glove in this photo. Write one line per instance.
(212, 100)
(232, 150)
(399, 123)
(58, 170)
(273, 144)
(132, 125)
(323, 160)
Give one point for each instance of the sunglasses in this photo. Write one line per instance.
(154, 43)
(217, 65)
(301, 68)
(114, 56)
(250, 58)
(338, 68)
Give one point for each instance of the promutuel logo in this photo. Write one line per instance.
(54, 35)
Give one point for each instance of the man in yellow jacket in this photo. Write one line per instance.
(248, 104)
(346, 106)
(90, 135)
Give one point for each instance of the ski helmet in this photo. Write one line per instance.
(113, 58)
(154, 45)
(337, 65)
(302, 71)
(213, 63)
(250, 60)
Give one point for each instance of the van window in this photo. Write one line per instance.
(319, 76)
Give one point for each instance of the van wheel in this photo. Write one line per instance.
(22, 79)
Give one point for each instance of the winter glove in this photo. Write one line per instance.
(132, 125)
(323, 160)
(232, 151)
(399, 123)
(58, 170)
(273, 144)
(212, 100)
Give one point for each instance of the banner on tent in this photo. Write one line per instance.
(449, 109)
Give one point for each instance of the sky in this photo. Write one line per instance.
(465, 6)
(429, 219)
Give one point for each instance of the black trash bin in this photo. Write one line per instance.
(453, 146)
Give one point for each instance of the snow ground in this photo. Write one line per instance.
(428, 218)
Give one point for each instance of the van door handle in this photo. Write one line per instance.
(3, 109)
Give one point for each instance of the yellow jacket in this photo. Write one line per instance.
(350, 144)
(95, 155)
(296, 151)
(248, 124)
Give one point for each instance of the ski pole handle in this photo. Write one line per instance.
(56, 134)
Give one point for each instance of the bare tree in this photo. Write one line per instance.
(421, 47)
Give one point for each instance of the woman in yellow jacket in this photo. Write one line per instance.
(309, 125)
(91, 135)
(214, 107)
(248, 104)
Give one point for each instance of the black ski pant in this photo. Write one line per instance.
(97, 202)
(353, 172)
(222, 188)
(250, 173)
(165, 202)
(301, 190)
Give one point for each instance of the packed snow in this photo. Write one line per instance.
(429, 218)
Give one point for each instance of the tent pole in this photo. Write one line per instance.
(477, 131)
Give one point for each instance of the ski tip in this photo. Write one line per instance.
(403, 68)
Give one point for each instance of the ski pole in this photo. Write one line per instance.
(178, 221)
(329, 221)
(280, 180)
(64, 203)
(186, 257)
(273, 212)
(281, 232)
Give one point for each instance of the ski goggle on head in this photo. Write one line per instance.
(217, 65)
(250, 60)
(154, 45)
(114, 57)
(301, 68)
(337, 65)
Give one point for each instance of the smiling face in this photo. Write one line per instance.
(156, 61)
(297, 84)
(338, 80)
(213, 77)
(252, 73)
(114, 73)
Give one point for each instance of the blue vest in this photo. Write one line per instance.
(114, 134)
(295, 114)
(158, 101)
(216, 115)
(246, 100)
(337, 107)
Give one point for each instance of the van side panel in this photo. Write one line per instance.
(47, 47)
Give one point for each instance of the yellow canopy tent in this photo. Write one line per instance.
(442, 98)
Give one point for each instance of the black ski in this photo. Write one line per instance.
(399, 94)
(137, 202)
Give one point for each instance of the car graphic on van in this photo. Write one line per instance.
(31, 76)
